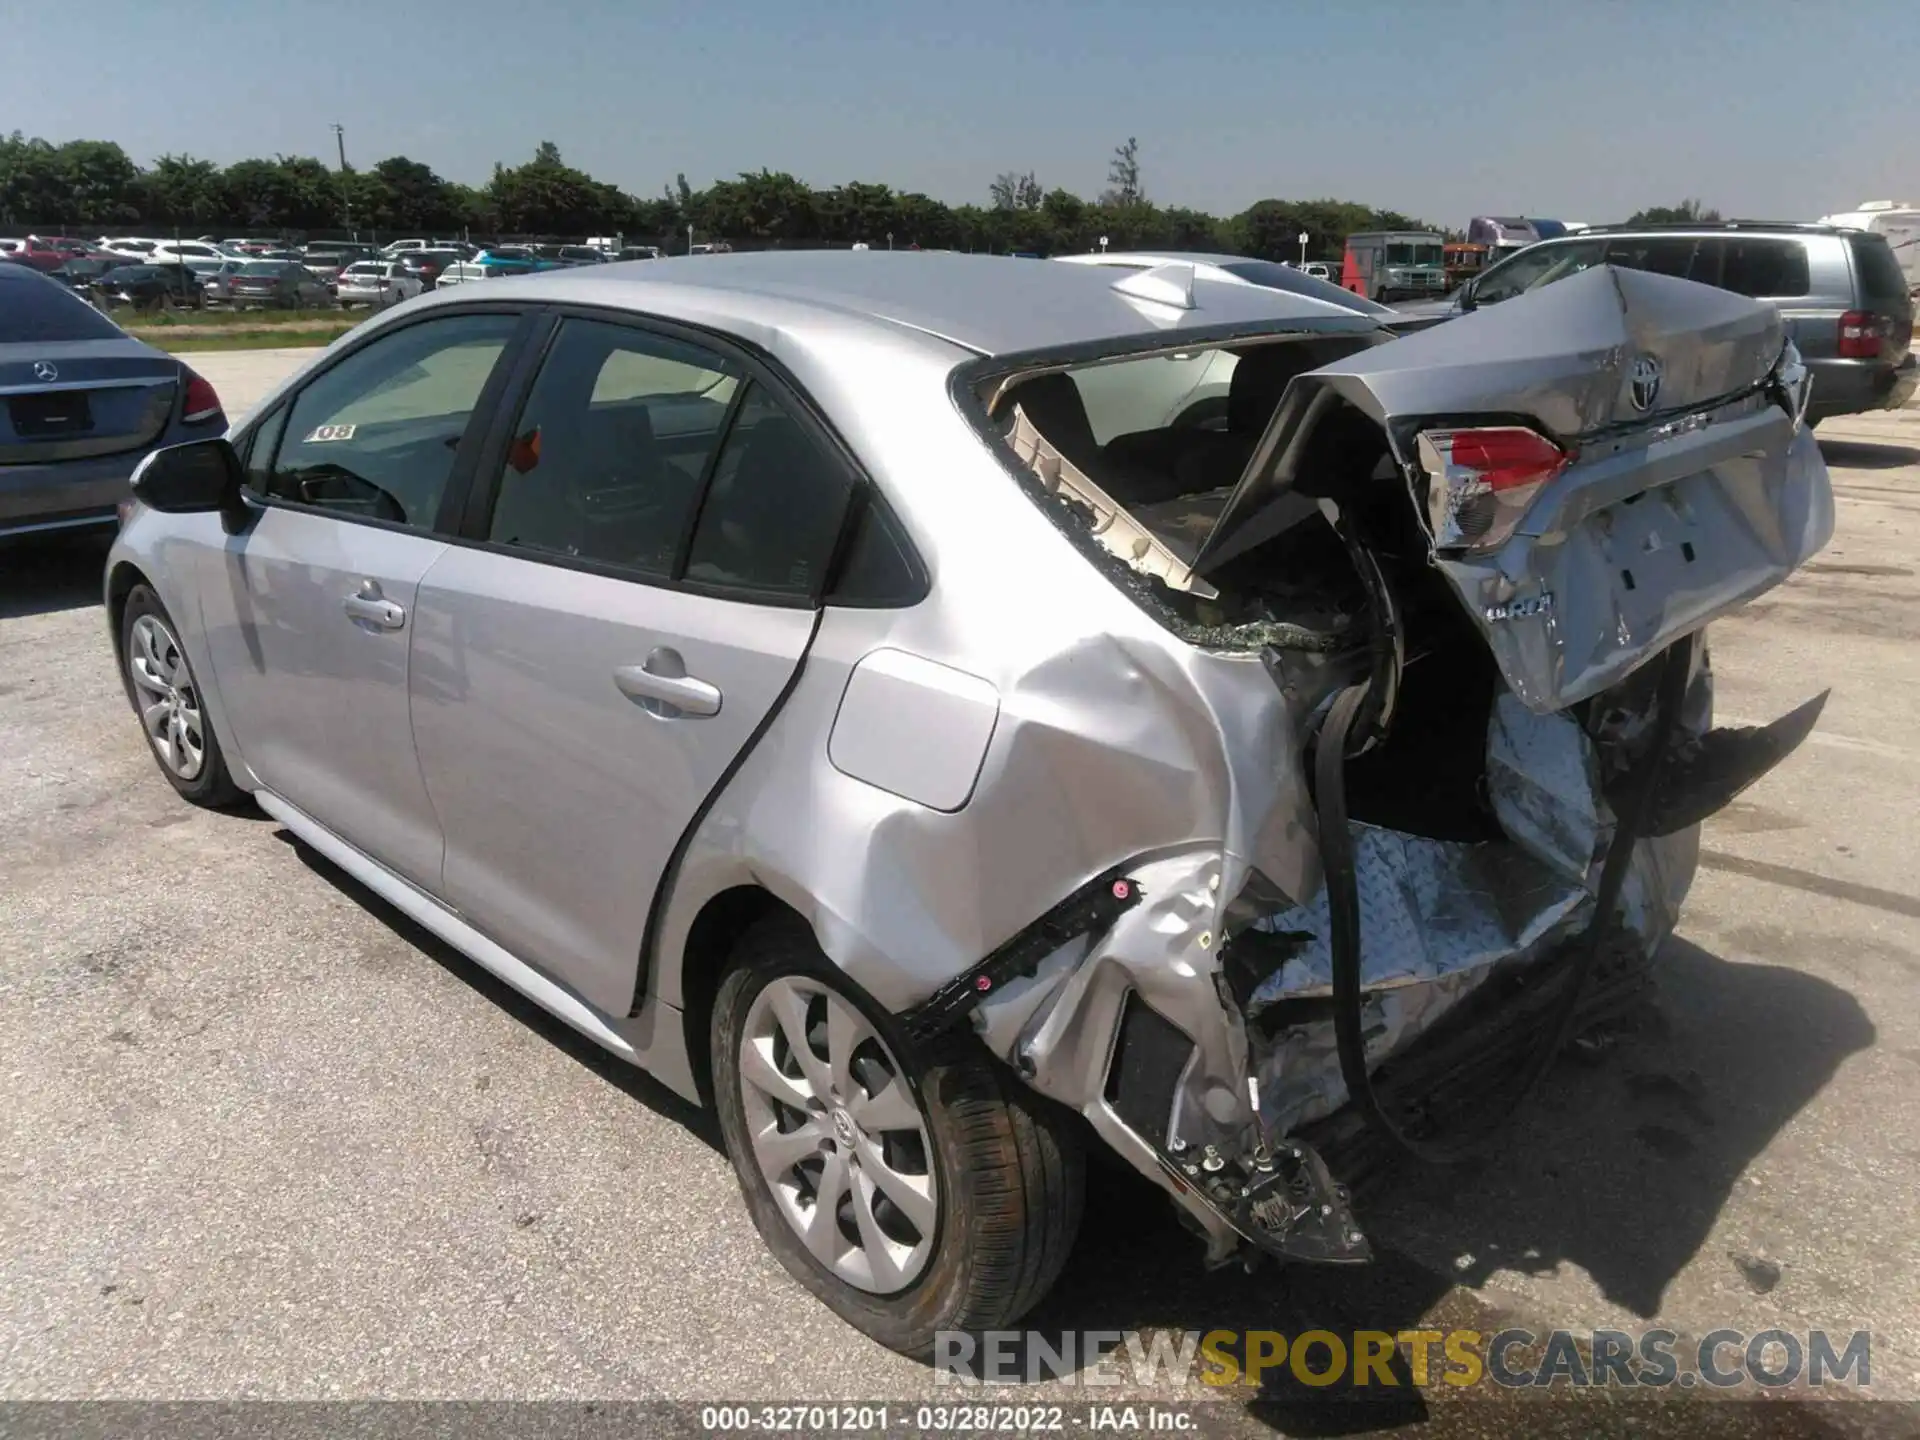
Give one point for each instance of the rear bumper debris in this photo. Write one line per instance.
(1193, 1028)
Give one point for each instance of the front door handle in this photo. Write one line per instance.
(369, 605)
(663, 687)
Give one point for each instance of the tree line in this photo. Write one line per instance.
(90, 186)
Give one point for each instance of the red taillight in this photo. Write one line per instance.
(1860, 335)
(202, 403)
(1480, 482)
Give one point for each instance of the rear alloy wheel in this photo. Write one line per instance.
(911, 1195)
(167, 698)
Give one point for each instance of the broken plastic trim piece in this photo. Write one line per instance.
(1090, 909)
(1109, 521)
(1702, 778)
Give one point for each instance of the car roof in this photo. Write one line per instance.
(992, 305)
(1707, 227)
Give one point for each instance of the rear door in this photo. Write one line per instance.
(309, 609)
(1683, 486)
(641, 582)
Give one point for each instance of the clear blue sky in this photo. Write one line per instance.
(1579, 109)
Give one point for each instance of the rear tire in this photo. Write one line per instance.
(1001, 1167)
(160, 682)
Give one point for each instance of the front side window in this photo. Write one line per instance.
(374, 436)
(1533, 267)
(609, 453)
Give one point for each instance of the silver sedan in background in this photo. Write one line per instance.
(876, 694)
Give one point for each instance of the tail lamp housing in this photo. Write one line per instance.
(202, 402)
(1481, 481)
(1861, 333)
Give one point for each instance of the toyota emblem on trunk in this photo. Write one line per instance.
(1646, 382)
(45, 370)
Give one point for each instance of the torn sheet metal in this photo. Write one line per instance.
(1440, 916)
(1433, 908)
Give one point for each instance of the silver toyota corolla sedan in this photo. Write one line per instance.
(870, 692)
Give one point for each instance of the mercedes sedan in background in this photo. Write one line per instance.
(81, 402)
(817, 679)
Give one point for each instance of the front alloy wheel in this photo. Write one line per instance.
(169, 704)
(161, 684)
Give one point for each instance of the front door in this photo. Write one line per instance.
(586, 674)
(309, 618)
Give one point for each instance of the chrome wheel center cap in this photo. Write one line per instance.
(843, 1127)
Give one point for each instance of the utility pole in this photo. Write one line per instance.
(346, 200)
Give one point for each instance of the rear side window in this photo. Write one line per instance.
(1661, 254)
(1880, 277)
(774, 511)
(1753, 265)
(606, 461)
(36, 311)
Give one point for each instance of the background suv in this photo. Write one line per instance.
(1841, 292)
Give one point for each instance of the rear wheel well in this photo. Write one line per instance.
(721, 922)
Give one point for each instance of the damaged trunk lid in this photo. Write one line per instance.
(1602, 467)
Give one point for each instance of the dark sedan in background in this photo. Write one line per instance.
(426, 265)
(81, 403)
(147, 287)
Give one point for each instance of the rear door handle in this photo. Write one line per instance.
(663, 687)
(369, 605)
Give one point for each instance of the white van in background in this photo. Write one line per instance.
(1899, 221)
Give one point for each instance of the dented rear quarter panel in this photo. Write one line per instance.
(1114, 740)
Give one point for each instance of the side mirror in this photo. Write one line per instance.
(1467, 302)
(194, 479)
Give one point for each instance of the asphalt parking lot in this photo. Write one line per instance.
(262, 1138)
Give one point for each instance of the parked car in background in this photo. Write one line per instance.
(81, 271)
(1840, 291)
(147, 287)
(376, 283)
(426, 265)
(652, 598)
(327, 259)
(1191, 390)
(277, 285)
(638, 252)
(34, 253)
(192, 252)
(217, 285)
(84, 403)
(130, 246)
(499, 260)
(579, 255)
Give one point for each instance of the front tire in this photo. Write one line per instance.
(913, 1194)
(167, 698)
